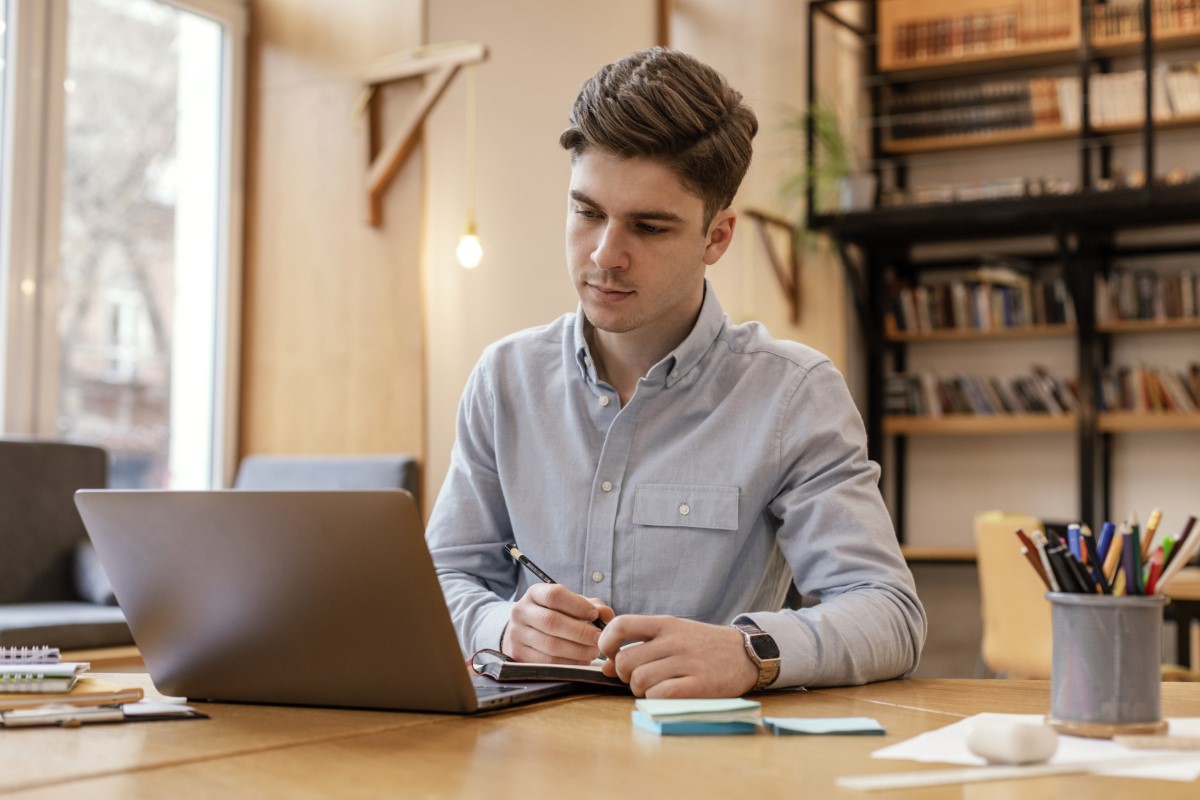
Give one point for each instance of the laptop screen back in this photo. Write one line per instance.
(293, 597)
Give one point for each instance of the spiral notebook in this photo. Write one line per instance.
(30, 677)
(262, 596)
(29, 655)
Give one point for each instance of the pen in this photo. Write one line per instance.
(1137, 546)
(1181, 539)
(1131, 561)
(1113, 557)
(1106, 536)
(1063, 572)
(1154, 567)
(1039, 541)
(1073, 541)
(1094, 563)
(1148, 534)
(524, 561)
(1029, 550)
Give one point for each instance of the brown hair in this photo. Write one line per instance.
(667, 106)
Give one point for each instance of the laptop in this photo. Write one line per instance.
(324, 598)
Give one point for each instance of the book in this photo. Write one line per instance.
(697, 717)
(498, 666)
(87, 691)
(34, 677)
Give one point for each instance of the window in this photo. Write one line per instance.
(124, 337)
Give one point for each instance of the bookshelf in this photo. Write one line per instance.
(1105, 83)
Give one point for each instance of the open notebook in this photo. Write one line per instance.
(295, 597)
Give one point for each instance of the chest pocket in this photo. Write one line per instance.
(685, 543)
(686, 506)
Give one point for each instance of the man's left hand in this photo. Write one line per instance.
(677, 657)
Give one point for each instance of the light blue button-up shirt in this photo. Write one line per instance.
(738, 466)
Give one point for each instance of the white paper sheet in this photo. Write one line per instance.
(948, 745)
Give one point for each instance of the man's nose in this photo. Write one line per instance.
(612, 251)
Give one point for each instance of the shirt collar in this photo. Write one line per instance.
(679, 361)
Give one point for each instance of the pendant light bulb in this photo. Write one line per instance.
(469, 250)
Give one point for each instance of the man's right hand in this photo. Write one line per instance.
(553, 625)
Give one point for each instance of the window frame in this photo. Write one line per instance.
(30, 218)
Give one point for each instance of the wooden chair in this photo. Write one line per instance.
(1017, 637)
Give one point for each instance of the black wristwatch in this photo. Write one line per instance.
(763, 651)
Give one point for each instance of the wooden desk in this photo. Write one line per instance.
(583, 746)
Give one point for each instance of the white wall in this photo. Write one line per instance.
(541, 52)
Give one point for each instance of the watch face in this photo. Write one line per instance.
(764, 645)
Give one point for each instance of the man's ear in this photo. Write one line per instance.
(720, 234)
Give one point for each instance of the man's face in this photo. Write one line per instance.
(636, 250)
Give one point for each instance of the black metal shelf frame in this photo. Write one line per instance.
(874, 244)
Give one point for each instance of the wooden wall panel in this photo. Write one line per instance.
(332, 328)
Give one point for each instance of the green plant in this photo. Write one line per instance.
(833, 157)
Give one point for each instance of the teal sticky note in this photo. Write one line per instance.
(684, 727)
(823, 726)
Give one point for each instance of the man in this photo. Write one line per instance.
(678, 470)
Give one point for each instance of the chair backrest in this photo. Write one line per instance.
(385, 471)
(39, 525)
(1017, 638)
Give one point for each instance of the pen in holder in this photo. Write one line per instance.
(1105, 674)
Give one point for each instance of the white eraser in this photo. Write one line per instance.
(1005, 742)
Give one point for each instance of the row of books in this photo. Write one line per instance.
(1016, 187)
(1128, 294)
(1120, 97)
(988, 299)
(982, 32)
(967, 191)
(1038, 103)
(974, 108)
(1145, 389)
(1120, 19)
(924, 394)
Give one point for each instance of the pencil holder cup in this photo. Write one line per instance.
(1105, 675)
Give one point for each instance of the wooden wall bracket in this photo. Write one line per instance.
(787, 274)
(440, 63)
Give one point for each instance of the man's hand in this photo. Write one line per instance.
(553, 625)
(677, 657)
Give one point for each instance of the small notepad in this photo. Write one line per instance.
(697, 717)
(823, 726)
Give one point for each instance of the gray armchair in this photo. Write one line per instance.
(386, 471)
(52, 590)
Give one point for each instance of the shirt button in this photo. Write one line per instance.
(604, 400)
(685, 509)
(587, 361)
(606, 486)
(597, 576)
(674, 373)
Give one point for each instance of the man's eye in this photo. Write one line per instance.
(650, 229)
(587, 213)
